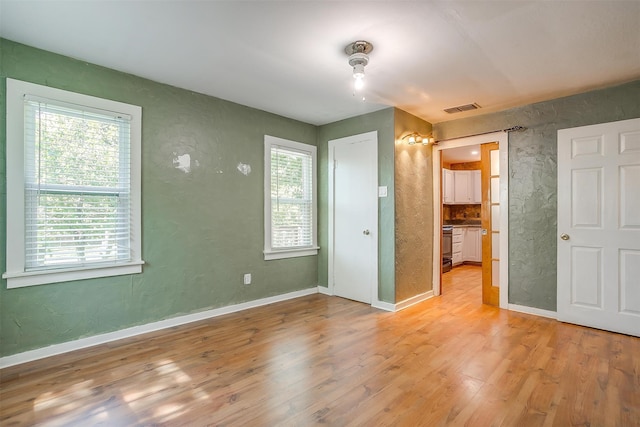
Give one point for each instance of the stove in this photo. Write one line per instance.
(447, 248)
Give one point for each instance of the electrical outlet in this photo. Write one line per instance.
(247, 279)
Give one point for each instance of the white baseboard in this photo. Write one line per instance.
(532, 310)
(387, 306)
(413, 300)
(41, 353)
(381, 305)
(324, 290)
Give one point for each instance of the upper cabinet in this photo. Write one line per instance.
(476, 179)
(447, 186)
(461, 187)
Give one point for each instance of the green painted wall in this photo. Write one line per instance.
(201, 230)
(533, 178)
(204, 229)
(383, 122)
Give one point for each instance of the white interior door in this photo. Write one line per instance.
(353, 261)
(599, 226)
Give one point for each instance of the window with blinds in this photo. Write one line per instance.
(77, 185)
(290, 202)
(73, 186)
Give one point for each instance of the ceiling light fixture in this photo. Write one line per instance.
(358, 52)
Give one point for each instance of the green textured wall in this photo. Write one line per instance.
(201, 230)
(383, 122)
(413, 209)
(533, 178)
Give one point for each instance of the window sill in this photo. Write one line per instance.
(290, 253)
(43, 277)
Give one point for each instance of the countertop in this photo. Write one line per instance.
(462, 222)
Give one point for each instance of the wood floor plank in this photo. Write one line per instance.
(320, 360)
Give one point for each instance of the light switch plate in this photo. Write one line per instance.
(382, 191)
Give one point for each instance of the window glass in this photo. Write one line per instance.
(73, 186)
(77, 186)
(290, 213)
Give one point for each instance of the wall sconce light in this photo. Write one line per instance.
(358, 52)
(415, 137)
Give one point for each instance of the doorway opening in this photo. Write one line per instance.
(479, 235)
(461, 220)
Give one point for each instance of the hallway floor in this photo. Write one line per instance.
(464, 279)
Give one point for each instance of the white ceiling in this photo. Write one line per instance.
(287, 57)
(468, 154)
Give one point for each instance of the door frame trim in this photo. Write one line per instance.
(503, 139)
(373, 135)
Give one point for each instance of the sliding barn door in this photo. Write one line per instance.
(490, 175)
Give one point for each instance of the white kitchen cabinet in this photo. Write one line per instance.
(466, 244)
(447, 186)
(461, 187)
(472, 244)
(456, 259)
(476, 187)
(457, 242)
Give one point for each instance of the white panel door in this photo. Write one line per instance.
(599, 226)
(353, 264)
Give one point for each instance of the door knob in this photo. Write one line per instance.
(564, 236)
(366, 232)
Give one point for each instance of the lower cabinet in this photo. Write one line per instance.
(472, 245)
(466, 245)
(457, 243)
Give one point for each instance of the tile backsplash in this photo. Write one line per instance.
(460, 212)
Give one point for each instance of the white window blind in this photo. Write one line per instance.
(291, 199)
(77, 185)
(73, 186)
(290, 214)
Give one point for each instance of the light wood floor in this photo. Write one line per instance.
(330, 361)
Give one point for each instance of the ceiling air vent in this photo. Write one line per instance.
(460, 108)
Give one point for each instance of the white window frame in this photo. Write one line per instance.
(269, 252)
(16, 274)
